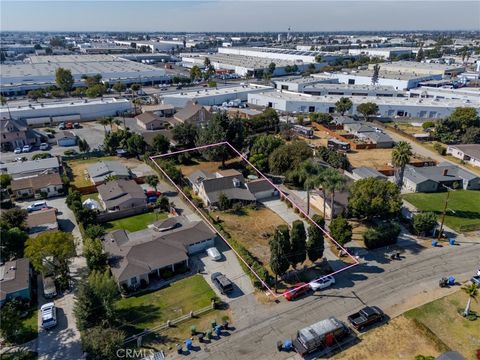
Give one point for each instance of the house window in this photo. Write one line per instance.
(133, 281)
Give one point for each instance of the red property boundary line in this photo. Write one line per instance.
(152, 158)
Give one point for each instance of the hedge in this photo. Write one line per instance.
(382, 235)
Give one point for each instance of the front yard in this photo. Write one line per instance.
(148, 310)
(463, 209)
(135, 223)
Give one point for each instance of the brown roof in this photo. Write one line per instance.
(157, 107)
(14, 276)
(47, 216)
(116, 192)
(36, 182)
(147, 117)
(188, 111)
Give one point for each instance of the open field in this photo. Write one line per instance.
(252, 229)
(148, 310)
(211, 166)
(135, 223)
(375, 158)
(320, 138)
(463, 206)
(443, 319)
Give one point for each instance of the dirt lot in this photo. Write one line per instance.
(320, 138)
(210, 166)
(376, 158)
(253, 229)
(400, 339)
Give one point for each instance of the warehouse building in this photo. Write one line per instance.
(391, 107)
(420, 68)
(298, 83)
(39, 72)
(211, 96)
(385, 52)
(54, 113)
(160, 45)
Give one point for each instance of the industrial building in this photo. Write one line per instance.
(299, 83)
(160, 45)
(391, 107)
(383, 52)
(54, 113)
(420, 68)
(211, 96)
(39, 71)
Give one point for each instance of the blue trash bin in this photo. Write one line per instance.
(451, 241)
(218, 330)
(434, 243)
(287, 345)
(451, 280)
(188, 344)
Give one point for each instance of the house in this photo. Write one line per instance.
(66, 138)
(438, 178)
(149, 121)
(121, 194)
(160, 110)
(364, 172)
(21, 169)
(380, 139)
(343, 120)
(40, 221)
(102, 170)
(230, 183)
(193, 113)
(142, 255)
(16, 134)
(357, 127)
(470, 153)
(39, 186)
(15, 280)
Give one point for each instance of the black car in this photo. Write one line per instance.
(222, 283)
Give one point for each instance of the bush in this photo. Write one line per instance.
(41, 156)
(69, 152)
(424, 223)
(439, 148)
(382, 235)
(94, 231)
(428, 125)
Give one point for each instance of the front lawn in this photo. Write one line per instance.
(31, 325)
(143, 311)
(443, 319)
(135, 223)
(463, 209)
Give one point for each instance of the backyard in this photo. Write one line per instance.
(134, 223)
(463, 211)
(148, 310)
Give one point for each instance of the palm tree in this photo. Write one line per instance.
(103, 121)
(334, 182)
(400, 158)
(472, 292)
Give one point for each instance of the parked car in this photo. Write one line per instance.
(17, 150)
(149, 193)
(61, 126)
(69, 125)
(476, 280)
(222, 283)
(27, 148)
(49, 315)
(214, 254)
(44, 146)
(49, 288)
(296, 291)
(39, 205)
(77, 125)
(322, 283)
(367, 316)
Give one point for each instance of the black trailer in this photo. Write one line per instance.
(338, 145)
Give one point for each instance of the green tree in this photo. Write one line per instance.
(11, 325)
(471, 136)
(374, 198)
(381, 235)
(13, 242)
(135, 87)
(161, 144)
(424, 223)
(343, 105)
(465, 117)
(41, 156)
(195, 73)
(64, 79)
(334, 182)
(185, 134)
(215, 132)
(152, 180)
(288, 157)
(83, 146)
(96, 90)
(315, 245)
(472, 291)
(376, 73)
(262, 147)
(106, 290)
(271, 68)
(224, 202)
(136, 145)
(298, 239)
(93, 253)
(367, 109)
(103, 343)
(14, 218)
(95, 231)
(401, 154)
(279, 249)
(88, 309)
(321, 118)
(207, 62)
(163, 203)
(341, 230)
(420, 55)
(119, 87)
(52, 250)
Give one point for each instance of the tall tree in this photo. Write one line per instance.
(401, 154)
(152, 180)
(376, 73)
(315, 245)
(420, 54)
(215, 132)
(119, 87)
(343, 105)
(279, 249)
(367, 109)
(341, 230)
(136, 145)
(93, 253)
(64, 79)
(334, 182)
(298, 238)
(14, 218)
(13, 242)
(195, 73)
(103, 343)
(83, 145)
(271, 68)
(106, 289)
(11, 325)
(185, 134)
(161, 144)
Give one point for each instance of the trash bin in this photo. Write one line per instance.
(218, 330)
(451, 280)
(287, 345)
(188, 344)
(451, 241)
(434, 243)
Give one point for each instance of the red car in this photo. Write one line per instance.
(296, 291)
(150, 193)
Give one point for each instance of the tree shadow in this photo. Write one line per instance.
(127, 318)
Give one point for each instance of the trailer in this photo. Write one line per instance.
(338, 145)
(303, 130)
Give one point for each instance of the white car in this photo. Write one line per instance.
(43, 146)
(17, 150)
(39, 205)
(322, 283)
(49, 315)
(27, 148)
(214, 254)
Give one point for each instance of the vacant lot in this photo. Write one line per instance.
(252, 229)
(463, 207)
(443, 319)
(399, 339)
(135, 223)
(320, 138)
(143, 311)
(211, 166)
(375, 158)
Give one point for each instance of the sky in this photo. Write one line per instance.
(238, 15)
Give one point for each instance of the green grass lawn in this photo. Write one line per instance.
(135, 223)
(463, 206)
(443, 319)
(30, 324)
(139, 312)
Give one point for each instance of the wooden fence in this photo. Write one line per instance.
(109, 216)
(345, 138)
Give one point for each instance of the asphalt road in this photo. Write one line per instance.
(389, 285)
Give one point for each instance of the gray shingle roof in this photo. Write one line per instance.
(102, 169)
(14, 276)
(366, 172)
(443, 172)
(16, 168)
(116, 192)
(472, 150)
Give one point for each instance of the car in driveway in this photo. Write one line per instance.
(17, 150)
(476, 280)
(322, 283)
(222, 283)
(48, 312)
(39, 205)
(44, 146)
(27, 148)
(296, 291)
(214, 254)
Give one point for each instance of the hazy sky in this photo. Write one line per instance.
(238, 15)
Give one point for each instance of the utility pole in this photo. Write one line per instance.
(443, 214)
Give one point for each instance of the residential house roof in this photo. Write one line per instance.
(341, 120)
(116, 192)
(102, 169)
(366, 172)
(14, 276)
(472, 150)
(37, 182)
(377, 136)
(24, 167)
(256, 186)
(443, 172)
(191, 109)
(147, 117)
(360, 127)
(11, 125)
(42, 220)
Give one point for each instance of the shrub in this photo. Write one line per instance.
(424, 223)
(94, 231)
(428, 125)
(439, 148)
(382, 235)
(69, 152)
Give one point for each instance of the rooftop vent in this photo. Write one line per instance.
(445, 172)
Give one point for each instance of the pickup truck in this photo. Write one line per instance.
(367, 316)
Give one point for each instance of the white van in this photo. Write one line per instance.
(49, 315)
